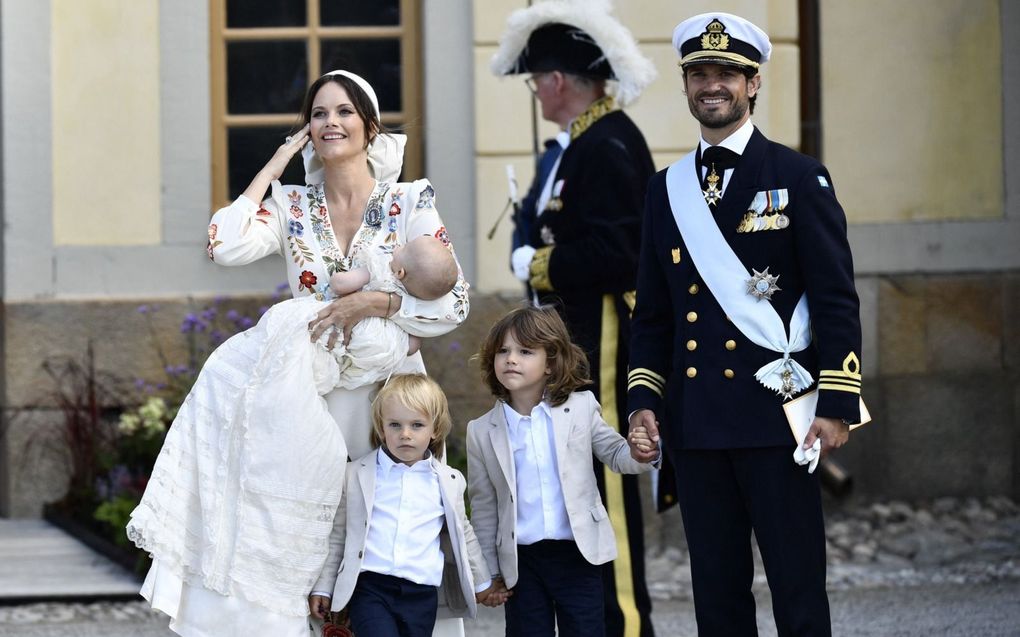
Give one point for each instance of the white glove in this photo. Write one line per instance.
(809, 456)
(520, 260)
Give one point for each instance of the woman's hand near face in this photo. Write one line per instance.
(346, 312)
(277, 164)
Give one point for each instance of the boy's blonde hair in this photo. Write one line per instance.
(418, 393)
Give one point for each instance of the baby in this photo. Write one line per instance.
(424, 268)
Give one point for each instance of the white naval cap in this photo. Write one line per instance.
(721, 38)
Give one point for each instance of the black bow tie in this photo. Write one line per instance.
(720, 158)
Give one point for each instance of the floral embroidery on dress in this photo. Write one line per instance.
(426, 199)
(443, 236)
(295, 204)
(307, 281)
(460, 293)
(209, 247)
(392, 224)
(318, 216)
(299, 250)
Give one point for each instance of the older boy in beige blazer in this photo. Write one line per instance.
(535, 504)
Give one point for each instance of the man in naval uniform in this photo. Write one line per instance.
(741, 239)
(581, 254)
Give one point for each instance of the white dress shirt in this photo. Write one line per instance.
(541, 509)
(737, 142)
(407, 518)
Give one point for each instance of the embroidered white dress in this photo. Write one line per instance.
(238, 511)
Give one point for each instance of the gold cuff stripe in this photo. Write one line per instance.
(644, 371)
(830, 373)
(646, 379)
(839, 383)
(539, 270)
(848, 389)
(849, 382)
(637, 383)
(842, 381)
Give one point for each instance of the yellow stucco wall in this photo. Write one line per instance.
(105, 122)
(503, 130)
(912, 108)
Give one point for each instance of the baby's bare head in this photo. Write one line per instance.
(426, 267)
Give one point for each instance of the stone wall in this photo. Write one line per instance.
(942, 381)
(945, 389)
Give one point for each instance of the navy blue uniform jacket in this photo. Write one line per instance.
(690, 364)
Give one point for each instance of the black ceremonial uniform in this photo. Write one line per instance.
(587, 242)
(695, 369)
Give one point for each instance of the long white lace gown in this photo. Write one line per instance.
(204, 600)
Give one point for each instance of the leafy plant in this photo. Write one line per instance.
(111, 457)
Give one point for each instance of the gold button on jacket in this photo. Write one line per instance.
(731, 345)
(692, 316)
(691, 372)
(692, 345)
(694, 288)
(728, 373)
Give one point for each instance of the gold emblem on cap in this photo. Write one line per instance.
(714, 38)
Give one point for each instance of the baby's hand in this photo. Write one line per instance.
(642, 448)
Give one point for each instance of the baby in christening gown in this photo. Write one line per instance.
(238, 510)
(425, 268)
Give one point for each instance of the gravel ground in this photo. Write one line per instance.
(943, 567)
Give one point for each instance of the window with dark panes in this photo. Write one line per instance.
(265, 53)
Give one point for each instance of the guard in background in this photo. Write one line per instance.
(742, 239)
(581, 253)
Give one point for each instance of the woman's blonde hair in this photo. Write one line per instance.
(537, 328)
(418, 393)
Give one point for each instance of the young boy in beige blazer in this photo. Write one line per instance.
(400, 534)
(535, 506)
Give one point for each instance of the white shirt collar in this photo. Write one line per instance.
(387, 464)
(737, 141)
(513, 418)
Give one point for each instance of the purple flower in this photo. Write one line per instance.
(454, 346)
(244, 323)
(189, 323)
(140, 383)
(216, 336)
(262, 310)
(296, 228)
(232, 315)
(209, 314)
(144, 309)
(220, 299)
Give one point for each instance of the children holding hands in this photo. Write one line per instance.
(400, 535)
(536, 509)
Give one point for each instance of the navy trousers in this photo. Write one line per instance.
(388, 606)
(724, 495)
(556, 587)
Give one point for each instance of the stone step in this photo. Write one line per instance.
(40, 561)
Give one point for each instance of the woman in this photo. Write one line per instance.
(349, 205)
